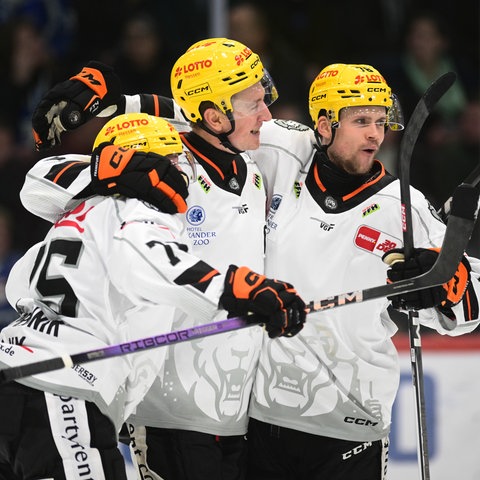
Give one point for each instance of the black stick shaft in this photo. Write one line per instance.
(409, 139)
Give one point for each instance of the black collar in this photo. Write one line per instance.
(336, 190)
(227, 170)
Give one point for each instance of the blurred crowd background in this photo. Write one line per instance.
(411, 42)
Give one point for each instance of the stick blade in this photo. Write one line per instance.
(437, 89)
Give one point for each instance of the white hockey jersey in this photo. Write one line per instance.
(205, 384)
(339, 376)
(284, 157)
(108, 272)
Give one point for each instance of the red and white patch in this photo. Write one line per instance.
(375, 241)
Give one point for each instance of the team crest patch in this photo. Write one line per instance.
(233, 184)
(275, 203)
(195, 215)
(291, 125)
(330, 203)
(375, 241)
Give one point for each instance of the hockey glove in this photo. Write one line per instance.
(246, 291)
(73, 102)
(442, 296)
(146, 176)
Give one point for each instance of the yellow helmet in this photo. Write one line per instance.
(342, 85)
(213, 70)
(142, 132)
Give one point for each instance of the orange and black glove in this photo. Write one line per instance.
(146, 176)
(442, 296)
(73, 102)
(246, 291)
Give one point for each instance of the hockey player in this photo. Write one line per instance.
(110, 271)
(321, 404)
(196, 412)
(338, 391)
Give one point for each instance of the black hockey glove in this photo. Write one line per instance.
(146, 176)
(442, 296)
(246, 291)
(73, 102)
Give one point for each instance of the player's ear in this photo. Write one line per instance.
(324, 127)
(216, 120)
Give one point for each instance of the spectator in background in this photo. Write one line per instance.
(8, 256)
(248, 24)
(55, 19)
(27, 229)
(28, 61)
(143, 62)
(449, 164)
(426, 57)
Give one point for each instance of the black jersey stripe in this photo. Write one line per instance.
(65, 173)
(199, 276)
(157, 105)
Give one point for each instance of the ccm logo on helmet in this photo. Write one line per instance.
(377, 89)
(318, 97)
(255, 63)
(205, 88)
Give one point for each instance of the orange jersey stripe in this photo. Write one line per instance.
(203, 157)
(156, 106)
(355, 192)
(209, 275)
(61, 172)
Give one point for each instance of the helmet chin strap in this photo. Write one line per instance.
(318, 140)
(223, 137)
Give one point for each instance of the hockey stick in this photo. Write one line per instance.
(460, 226)
(412, 131)
(409, 139)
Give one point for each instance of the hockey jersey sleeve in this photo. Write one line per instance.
(162, 269)
(428, 231)
(55, 185)
(157, 106)
(286, 147)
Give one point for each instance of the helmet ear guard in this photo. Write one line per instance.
(340, 85)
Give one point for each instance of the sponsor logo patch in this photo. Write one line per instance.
(195, 215)
(370, 209)
(297, 188)
(375, 241)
